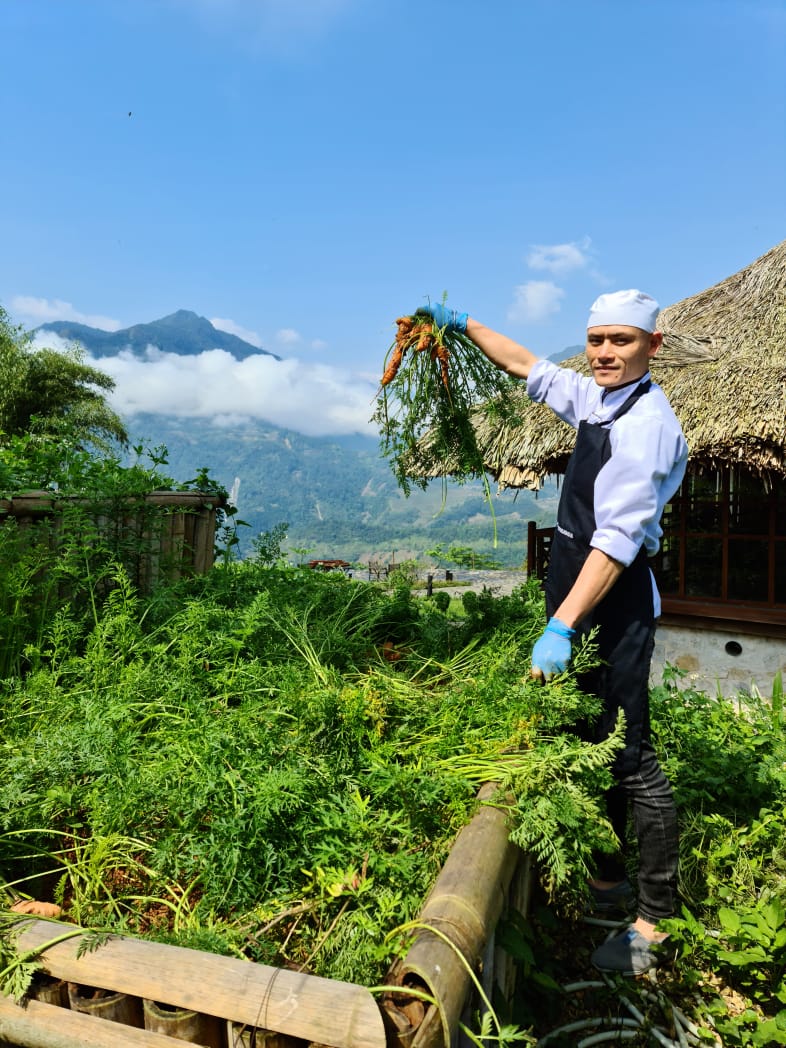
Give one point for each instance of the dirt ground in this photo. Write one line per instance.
(501, 583)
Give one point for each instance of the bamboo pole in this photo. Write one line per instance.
(39, 1025)
(463, 907)
(116, 1007)
(184, 1024)
(337, 1014)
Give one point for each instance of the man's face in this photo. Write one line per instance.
(618, 354)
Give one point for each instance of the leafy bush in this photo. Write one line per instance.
(726, 759)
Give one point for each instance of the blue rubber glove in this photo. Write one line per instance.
(450, 319)
(551, 653)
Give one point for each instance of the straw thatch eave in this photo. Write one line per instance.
(722, 366)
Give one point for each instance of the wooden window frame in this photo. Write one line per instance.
(679, 604)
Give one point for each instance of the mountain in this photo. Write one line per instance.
(183, 332)
(566, 354)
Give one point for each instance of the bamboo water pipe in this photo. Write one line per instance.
(463, 907)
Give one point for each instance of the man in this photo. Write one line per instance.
(629, 460)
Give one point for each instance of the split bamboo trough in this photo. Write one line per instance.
(124, 992)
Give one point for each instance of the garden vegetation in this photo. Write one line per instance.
(273, 763)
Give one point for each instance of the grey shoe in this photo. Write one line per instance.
(627, 953)
(621, 898)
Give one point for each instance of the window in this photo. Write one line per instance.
(724, 542)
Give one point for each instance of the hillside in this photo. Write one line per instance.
(337, 494)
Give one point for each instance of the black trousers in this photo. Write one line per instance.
(641, 789)
(646, 794)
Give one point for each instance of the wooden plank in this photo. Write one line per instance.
(39, 1025)
(337, 1014)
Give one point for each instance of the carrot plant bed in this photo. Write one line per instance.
(237, 764)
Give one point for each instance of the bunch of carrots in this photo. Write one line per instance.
(435, 383)
(418, 333)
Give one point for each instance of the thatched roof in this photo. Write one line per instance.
(722, 366)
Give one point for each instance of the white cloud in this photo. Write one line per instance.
(224, 324)
(276, 23)
(318, 344)
(287, 336)
(34, 311)
(315, 399)
(536, 300)
(559, 258)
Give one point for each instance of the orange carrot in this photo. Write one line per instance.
(395, 363)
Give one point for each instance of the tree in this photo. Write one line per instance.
(53, 395)
(466, 557)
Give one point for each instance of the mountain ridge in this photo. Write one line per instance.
(183, 332)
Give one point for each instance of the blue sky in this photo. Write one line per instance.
(303, 171)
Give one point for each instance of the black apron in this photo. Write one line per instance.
(625, 616)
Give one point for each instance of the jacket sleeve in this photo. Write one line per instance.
(567, 393)
(646, 467)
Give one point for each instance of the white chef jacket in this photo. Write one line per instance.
(648, 456)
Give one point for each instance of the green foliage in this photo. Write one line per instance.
(464, 557)
(721, 753)
(747, 950)
(727, 762)
(467, 557)
(70, 559)
(55, 396)
(228, 754)
(266, 547)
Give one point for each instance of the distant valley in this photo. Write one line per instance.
(337, 494)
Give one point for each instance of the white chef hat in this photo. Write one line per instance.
(632, 308)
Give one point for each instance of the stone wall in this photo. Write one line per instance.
(719, 660)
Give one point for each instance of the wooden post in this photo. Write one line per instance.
(531, 540)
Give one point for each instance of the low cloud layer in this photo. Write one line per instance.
(314, 399)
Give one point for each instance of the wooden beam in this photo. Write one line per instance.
(333, 1013)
